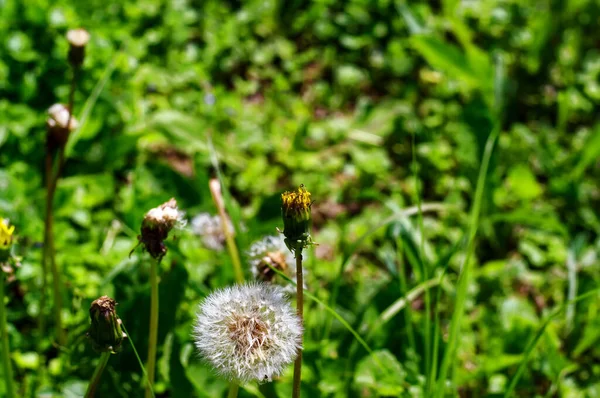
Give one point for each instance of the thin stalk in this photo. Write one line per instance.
(45, 256)
(8, 373)
(300, 312)
(137, 356)
(95, 381)
(153, 332)
(49, 256)
(234, 387)
(215, 190)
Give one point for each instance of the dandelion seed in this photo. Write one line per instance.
(248, 332)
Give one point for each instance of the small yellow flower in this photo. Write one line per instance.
(6, 233)
(295, 211)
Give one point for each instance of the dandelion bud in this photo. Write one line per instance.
(248, 332)
(157, 224)
(6, 237)
(58, 118)
(77, 39)
(295, 211)
(105, 332)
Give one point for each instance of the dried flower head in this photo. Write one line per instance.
(248, 332)
(270, 252)
(77, 38)
(157, 224)
(295, 211)
(105, 331)
(210, 230)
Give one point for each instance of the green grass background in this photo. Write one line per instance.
(451, 149)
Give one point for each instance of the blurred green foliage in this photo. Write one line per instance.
(330, 94)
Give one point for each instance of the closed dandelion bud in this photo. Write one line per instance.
(58, 119)
(77, 39)
(6, 238)
(105, 332)
(157, 224)
(248, 332)
(295, 211)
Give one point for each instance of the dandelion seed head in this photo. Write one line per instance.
(248, 332)
(210, 230)
(268, 252)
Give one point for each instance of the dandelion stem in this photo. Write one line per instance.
(234, 387)
(49, 255)
(153, 332)
(300, 312)
(8, 374)
(95, 381)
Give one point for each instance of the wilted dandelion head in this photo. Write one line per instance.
(272, 252)
(248, 332)
(157, 224)
(210, 230)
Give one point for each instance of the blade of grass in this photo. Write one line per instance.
(404, 291)
(138, 358)
(461, 296)
(464, 277)
(397, 306)
(535, 339)
(424, 266)
(354, 247)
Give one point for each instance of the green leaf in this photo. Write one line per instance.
(387, 381)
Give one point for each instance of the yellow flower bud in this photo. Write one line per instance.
(6, 237)
(295, 211)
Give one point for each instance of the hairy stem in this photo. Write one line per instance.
(300, 312)
(233, 390)
(8, 374)
(153, 332)
(49, 256)
(95, 381)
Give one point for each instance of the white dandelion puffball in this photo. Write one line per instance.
(248, 332)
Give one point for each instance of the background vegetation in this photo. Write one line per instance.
(377, 107)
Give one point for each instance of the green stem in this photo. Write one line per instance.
(300, 312)
(153, 332)
(8, 373)
(233, 390)
(95, 381)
